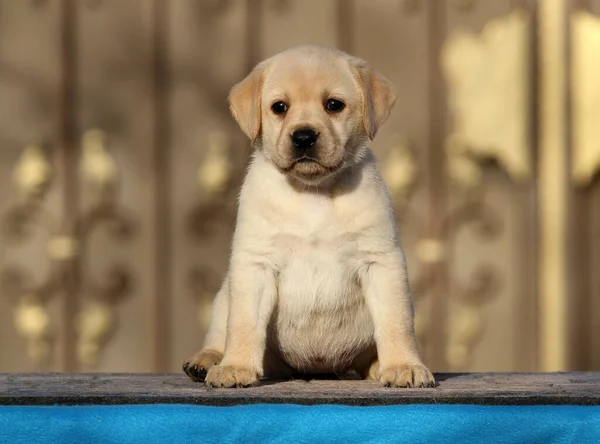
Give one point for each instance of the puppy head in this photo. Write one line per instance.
(312, 110)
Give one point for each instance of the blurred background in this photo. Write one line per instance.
(120, 166)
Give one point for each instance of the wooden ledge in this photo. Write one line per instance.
(459, 388)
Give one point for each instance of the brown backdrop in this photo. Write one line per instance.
(120, 164)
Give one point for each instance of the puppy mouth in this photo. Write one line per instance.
(310, 167)
(306, 159)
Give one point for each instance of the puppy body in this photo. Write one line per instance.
(317, 280)
(316, 245)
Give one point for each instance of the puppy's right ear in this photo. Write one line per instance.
(244, 102)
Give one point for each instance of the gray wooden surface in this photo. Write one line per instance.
(471, 388)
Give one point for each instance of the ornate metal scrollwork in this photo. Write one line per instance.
(217, 180)
(586, 97)
(467, 325)
(489, 97)
(97, 320)
(32, 177)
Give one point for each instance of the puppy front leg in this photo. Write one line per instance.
(385, 285)
(214, 343)
(253, 292)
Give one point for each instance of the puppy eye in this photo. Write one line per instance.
(279, 108)
(335, 106)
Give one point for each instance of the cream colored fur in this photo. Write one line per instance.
(317, 280)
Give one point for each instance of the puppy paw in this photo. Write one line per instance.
(230, 376)
(407, 376)
(198, 365)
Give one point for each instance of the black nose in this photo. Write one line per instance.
(304, 138)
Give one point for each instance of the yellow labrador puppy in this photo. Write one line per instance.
(317, 280)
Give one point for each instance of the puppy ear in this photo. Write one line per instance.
(244, 102)
(378, 96)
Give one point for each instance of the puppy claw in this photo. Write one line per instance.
(407, 376)
(229, 376)
(198, 365)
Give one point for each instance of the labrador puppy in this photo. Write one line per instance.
(317, 280)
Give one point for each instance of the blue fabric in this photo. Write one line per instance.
(149, 424)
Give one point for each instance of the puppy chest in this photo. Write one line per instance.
(317, 281)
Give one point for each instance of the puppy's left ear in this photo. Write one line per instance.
(378, 96)
(244, 102)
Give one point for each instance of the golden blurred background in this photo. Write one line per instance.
(120, 165)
